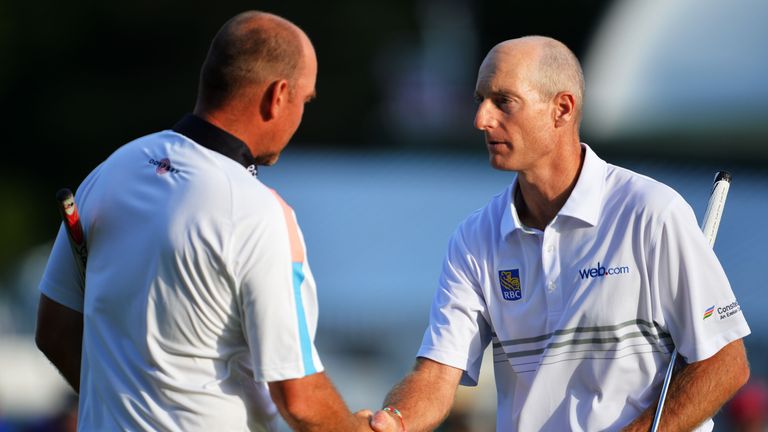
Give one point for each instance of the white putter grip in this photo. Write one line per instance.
(709, 227)
(715, 207)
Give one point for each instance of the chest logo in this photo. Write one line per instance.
(509, 283)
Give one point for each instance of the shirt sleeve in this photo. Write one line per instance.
(61, 280)
(458, 331)
(695, 298)
(278, 296)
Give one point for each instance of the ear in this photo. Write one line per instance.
(565, 108)
(274, 99)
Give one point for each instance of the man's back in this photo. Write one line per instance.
(164, 338)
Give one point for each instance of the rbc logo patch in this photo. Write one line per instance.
(509, 282)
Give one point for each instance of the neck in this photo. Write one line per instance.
(542, 192)
(232, 123)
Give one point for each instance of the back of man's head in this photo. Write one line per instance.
(251, 49)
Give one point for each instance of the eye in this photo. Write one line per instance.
(501, 100)
(478, 99)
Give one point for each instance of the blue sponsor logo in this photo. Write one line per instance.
(509, 282)
(601, 271)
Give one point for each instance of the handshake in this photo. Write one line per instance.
(388, 419)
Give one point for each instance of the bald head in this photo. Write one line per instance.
(251, 49)
(547, 64)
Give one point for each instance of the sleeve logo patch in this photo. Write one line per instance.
(723, 312)
(509, 283)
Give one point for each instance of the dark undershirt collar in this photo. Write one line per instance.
(216, 139)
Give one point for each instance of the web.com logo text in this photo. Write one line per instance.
(601, 271)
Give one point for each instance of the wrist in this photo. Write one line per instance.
(394, 412)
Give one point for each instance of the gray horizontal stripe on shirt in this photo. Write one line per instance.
(652, 339)
(661, 347)
(543, 337)
(518, 367)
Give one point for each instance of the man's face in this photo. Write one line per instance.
(516, 122)
(303, 90)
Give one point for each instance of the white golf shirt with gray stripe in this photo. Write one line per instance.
(584, 315)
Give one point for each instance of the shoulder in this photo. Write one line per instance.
(638, 192)
(483, 225)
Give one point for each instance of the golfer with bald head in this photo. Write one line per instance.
(199, 310)
(581, 275)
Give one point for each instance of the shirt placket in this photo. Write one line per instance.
(550, 263)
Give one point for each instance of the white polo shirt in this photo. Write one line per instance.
(584, 315)
(197, 287)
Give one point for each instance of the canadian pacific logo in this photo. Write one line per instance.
(163, 166)
(509, 282)
(723, 312)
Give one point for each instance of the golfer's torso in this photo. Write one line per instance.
(580, 342)
(578, 338)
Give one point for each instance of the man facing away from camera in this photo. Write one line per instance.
(582, 275)
(198, 311)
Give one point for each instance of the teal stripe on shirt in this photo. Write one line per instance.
(304, 341)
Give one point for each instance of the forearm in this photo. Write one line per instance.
(698, 390)
(313, 404)
(425, 396)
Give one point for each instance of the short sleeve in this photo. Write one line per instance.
(277, 295)
(697, 303)
(61, 280)
(458, 331)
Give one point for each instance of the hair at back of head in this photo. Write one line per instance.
(250, 49)
(558, 70)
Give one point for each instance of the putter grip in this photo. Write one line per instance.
(71, 219)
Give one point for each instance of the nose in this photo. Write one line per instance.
(483, 117)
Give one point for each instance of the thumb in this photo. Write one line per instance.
(365, 413)
(383, 421)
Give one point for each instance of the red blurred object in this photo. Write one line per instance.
(750, 405)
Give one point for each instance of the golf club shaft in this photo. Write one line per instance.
(709, 227)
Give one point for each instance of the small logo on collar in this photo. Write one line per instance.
(254, 170)
(509, 283)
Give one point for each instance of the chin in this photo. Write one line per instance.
(267, 160)
(499, 163)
